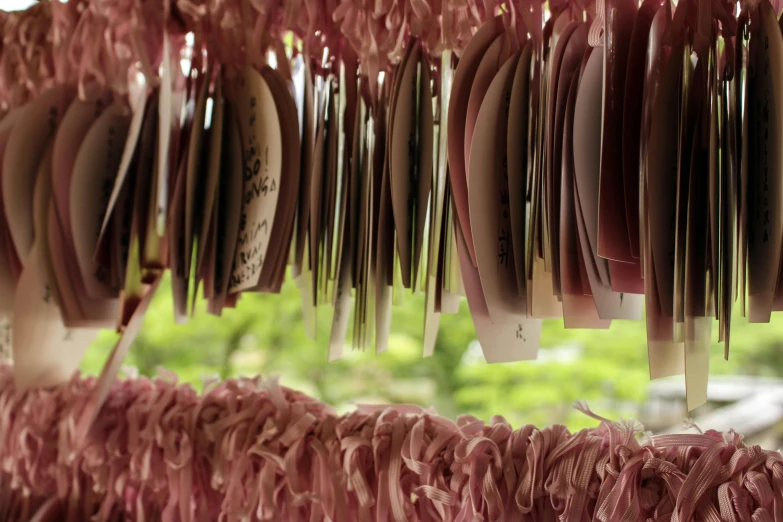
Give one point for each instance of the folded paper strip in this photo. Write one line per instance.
(537, 158)
(252, 450)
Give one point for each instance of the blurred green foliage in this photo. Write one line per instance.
(265, 336)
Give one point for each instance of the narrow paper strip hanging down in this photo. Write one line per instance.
(252, 450)
(564, 160)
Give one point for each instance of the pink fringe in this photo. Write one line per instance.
(250, 450)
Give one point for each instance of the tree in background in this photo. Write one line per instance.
(265, 335)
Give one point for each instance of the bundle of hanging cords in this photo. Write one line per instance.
(253, 450)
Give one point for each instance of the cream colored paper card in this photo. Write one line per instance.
(357, 223)
(76, 123)
(209, 195)
(9, 273)
(42, 196)
(307, 149)
(230, 196)
(697, 360)
(94, 173)
(425, 170)
(666, 358)
(26, 145)
(743, 106)
(280, 239)
(45, 352)
(153, 247)
(403, 159)
(437, 252)
(765, 187)
(457, 118)
(179, 281)
(439, 224)
(143, 178)
(661, 169)
(488, 198)
(587, 152)
(715, 192)
(138, 110)
(316, 197)
(570, 50)
(613, 230)
(166, 123)
(517, 146)
(331, 201)
(652, 69)
(688, 106)
(515, 341)
(697, 298)
(262, 153)
(385, 255)
(540, 293)
(579, 310)
(92, 313)
(343, 173)
(633, 99)
(730, 228)
(196, 173)
(488, 68)
(342, 312)
(610, 305)
(309, 314)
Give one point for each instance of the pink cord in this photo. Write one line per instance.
(253, 450)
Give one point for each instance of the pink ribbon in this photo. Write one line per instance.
(255, 450)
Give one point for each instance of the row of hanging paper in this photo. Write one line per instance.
(566, 160)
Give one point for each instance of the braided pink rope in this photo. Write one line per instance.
(247, 450)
